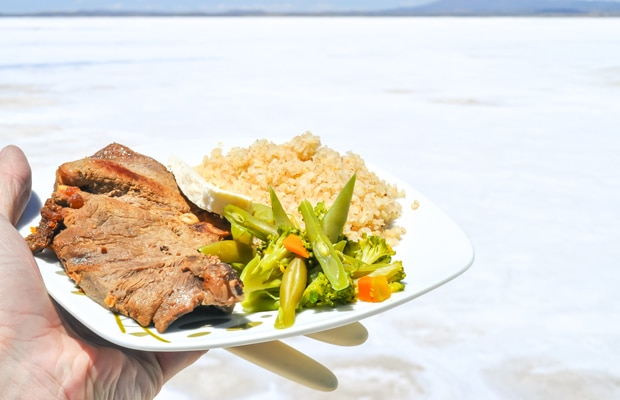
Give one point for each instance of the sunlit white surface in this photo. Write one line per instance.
(509, 125)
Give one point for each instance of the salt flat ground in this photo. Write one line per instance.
(510, 125)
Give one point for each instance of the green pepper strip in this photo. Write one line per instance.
(322, 248)
(293, 284)
(257, 227)
(336, 217)
(229, 251)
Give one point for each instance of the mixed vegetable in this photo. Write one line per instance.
(287, 266)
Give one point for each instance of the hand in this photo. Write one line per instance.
(42, 355)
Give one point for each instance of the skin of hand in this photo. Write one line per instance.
(44, 354)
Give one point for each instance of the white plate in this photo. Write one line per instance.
(434, 251)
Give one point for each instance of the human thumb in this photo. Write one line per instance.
(15, 182)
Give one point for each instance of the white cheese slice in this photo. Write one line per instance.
(202, 193)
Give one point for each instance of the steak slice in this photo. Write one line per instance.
(127, 236)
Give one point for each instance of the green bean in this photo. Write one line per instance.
(256, 226)
(322, 248)
(229, 251)
(293, 284)
(279, 213)
(336, 217)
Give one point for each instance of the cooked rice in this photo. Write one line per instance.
(304, 169)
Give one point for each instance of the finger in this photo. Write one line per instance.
(15, 182)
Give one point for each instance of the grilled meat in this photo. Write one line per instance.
(127, 236)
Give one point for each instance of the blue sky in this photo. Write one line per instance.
(27, 6)
(203, 5)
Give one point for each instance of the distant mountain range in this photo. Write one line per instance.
(436, 8)
(512, 7)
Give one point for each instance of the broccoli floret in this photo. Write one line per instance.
(366, 255)
(262, 300)
(320, 209)
(264, 271)
(320, 292)
(370, 249)
(394, 272)
(372, 255)
(396, 286)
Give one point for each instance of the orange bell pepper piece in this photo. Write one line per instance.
(373, 289)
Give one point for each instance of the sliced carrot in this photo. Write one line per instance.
(373, 289)
(294, 244)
